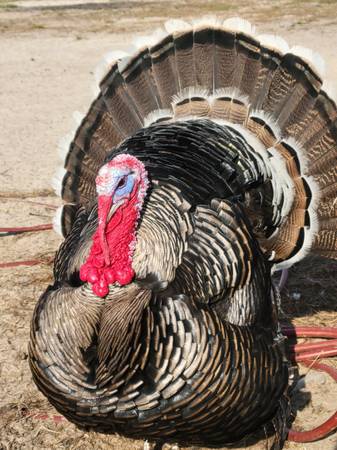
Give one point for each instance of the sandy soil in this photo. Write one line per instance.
(49, 50)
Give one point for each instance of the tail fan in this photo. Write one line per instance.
(274, 96)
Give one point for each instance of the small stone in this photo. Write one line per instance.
(22, 355)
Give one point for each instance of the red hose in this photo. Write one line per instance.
(302, 332)
(46, 205)
(47, 226)
(327, 427)
(300, 348)
(306, 354)
(31, 262)
(325, 353)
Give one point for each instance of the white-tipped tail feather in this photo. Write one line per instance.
(142, 42)
(240, 25)
(57, 180)
(330, 88)
(190, 92)
(315, 61)
(300, 152)
(231, 92)
(207, 22)
(177, 26)
(78, 117)
(273, 42)
(268, 119)
(158, 114)
(63, 146)
(57, 221)
(109, 59)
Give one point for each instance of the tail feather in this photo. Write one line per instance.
(284, 86)
(120, 103)
(269, 94)
(86, 155)
(295, 108)
(79, 162)
(225, 56)
(194, 104)
(227, 107)
(183, 48)
(301, 101)
(327, 210)
(164, 70)
(325, 162)
(98, 134)
(77, 189)
(325, 243)
(204, 57)
(258, 125)
(270, 59)
(317, 125)
(249, 66)
(140, 83)
(324, 146)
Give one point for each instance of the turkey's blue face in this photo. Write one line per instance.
(114, 186)
(118, 183)
(125, 183)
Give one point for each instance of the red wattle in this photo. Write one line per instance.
(110, 276)
(101, 288)
(125, 276)
(93, 275)
(117, 238)
(84, 272)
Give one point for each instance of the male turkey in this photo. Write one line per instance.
(207, 160)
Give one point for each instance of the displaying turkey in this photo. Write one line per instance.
(207, 160)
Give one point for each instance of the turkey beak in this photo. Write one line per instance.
(104, 205)
(113, 209)
(106, 209)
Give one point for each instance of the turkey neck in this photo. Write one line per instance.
(85, 345)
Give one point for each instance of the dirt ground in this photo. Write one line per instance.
(48, 52)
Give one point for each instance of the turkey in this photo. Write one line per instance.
(206, 162)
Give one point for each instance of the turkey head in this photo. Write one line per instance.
(121, 185)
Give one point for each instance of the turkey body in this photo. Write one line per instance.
(159, 357)
(189, 351)
(179, 373)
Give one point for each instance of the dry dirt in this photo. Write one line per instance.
(48, 51)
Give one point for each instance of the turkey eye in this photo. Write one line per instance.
(122, 182)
